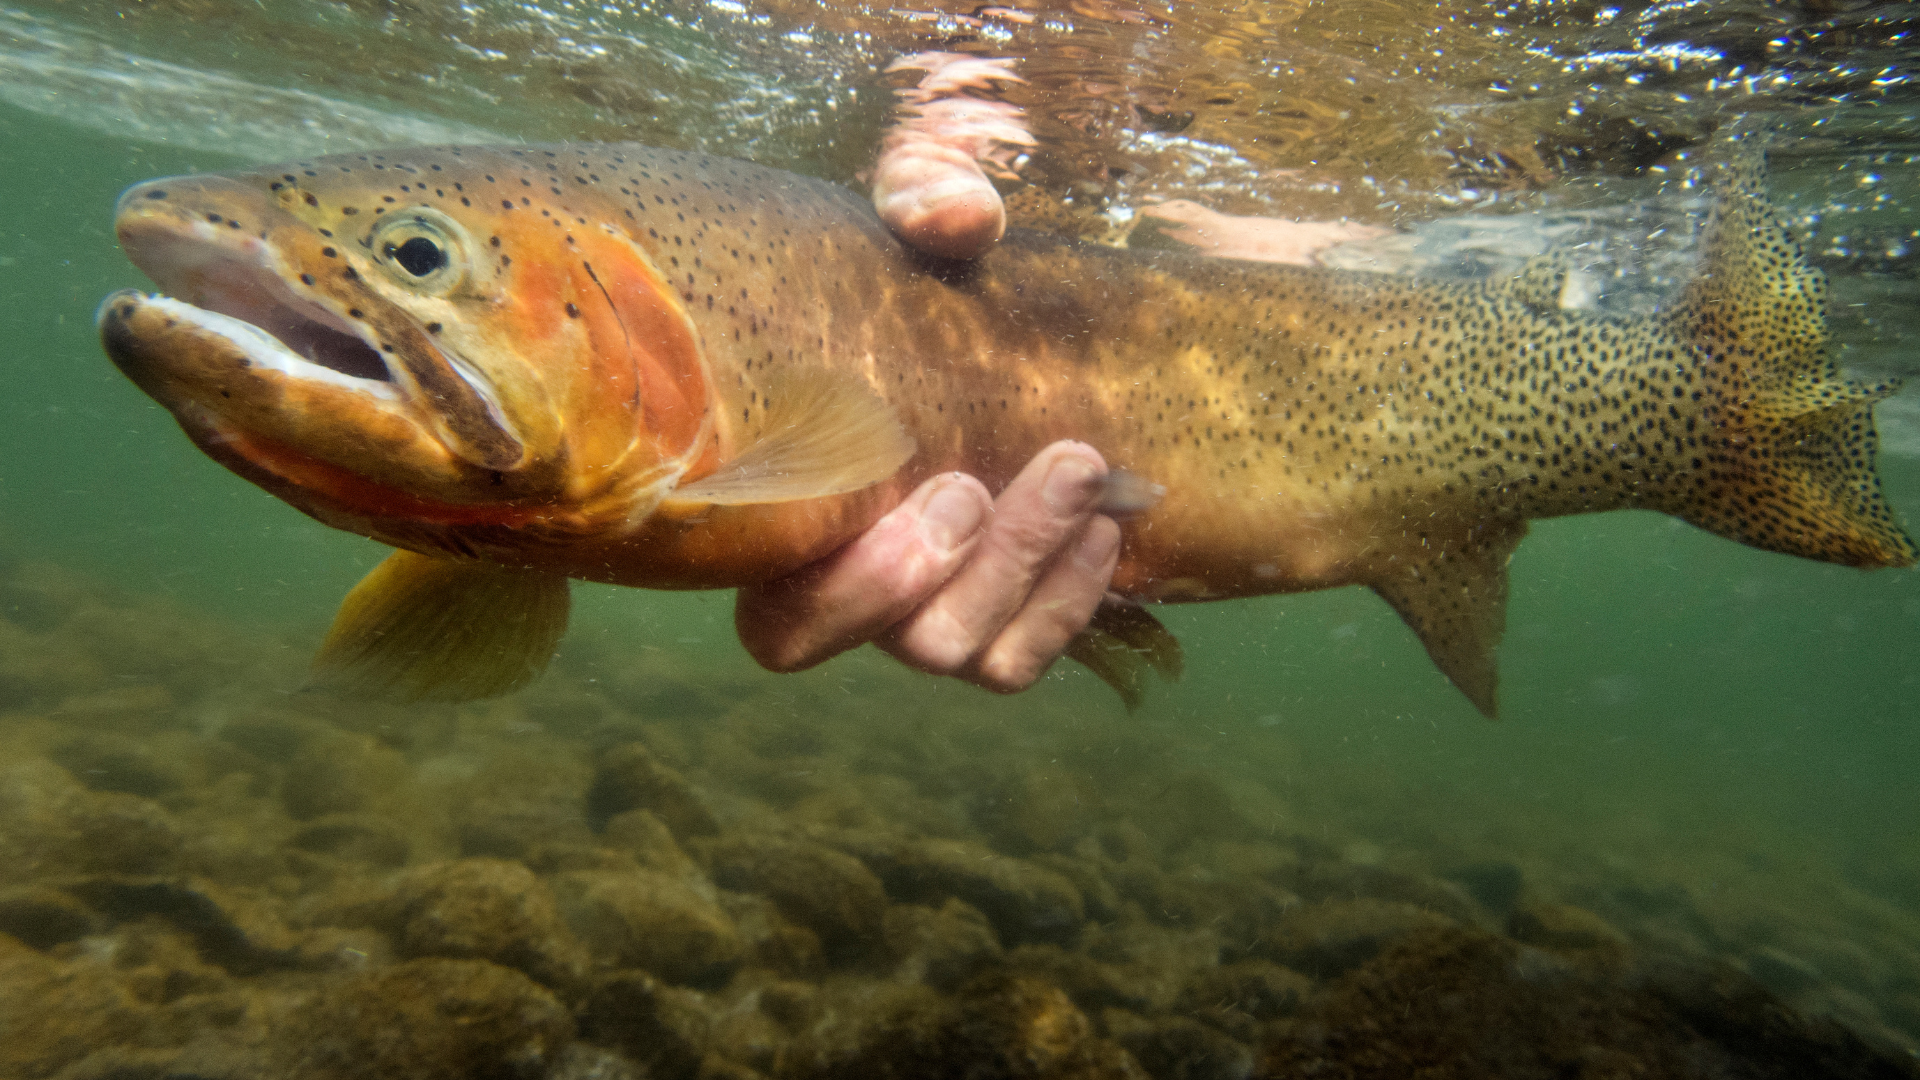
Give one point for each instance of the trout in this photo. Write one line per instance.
(666, 370)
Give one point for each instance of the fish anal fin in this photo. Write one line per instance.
(826, 433)
(1453, 595)
(1121, 643)
(418, 628)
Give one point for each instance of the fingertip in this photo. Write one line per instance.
(1099, 548)
(953, 510)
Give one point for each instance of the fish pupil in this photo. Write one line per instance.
(418, 256)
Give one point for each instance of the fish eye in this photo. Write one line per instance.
(423, 250)
(419, 256)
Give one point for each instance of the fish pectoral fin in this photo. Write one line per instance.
(1455, 598)
(1121, 643)
(824, 434)
(424, 629)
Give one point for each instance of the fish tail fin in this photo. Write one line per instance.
(1786, 455)
(417, 628)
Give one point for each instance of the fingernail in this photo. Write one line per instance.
(952, 515)
(1070, 486)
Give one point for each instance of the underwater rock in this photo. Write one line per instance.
(430, 1019)
(998, 1027)
(1101, 900)
(108, 762)
(1091, 984)
(827, 891)
(43, 917)
(1339, 879)
(770, 941)
(1025, 902)
(661, 1029)
(515, 795)
(643, 836)
(1238, 997)
(369, 839)
(340, 774)
(629, 777)
(243, 936)
(52, 825)
(941, 947)
(1460, 1002)
(53, 1011)
(582, 1062)
(1176, 1048)
(645, 919)
(1038, 812)
(1331, 937)
(1496, 885)
(486, 909)
(1564, 927)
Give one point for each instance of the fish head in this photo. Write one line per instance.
(405, 349)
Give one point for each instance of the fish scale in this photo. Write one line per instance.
(651, 331)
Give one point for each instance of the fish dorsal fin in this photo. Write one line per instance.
(1544, 282)
(1121, 643)
(424, 629)
(1455, 598)
(825, 433)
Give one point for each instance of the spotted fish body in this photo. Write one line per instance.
(644, 366)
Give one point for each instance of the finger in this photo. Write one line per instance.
(1034, 519)
(1059, 607)
(847, 598)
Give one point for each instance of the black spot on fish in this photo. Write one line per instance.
(353, 313)
(329, 252)
(156, 193)
(126, 312)
(433, 327)
(215, 218)
(572, 312)
(306, 279)
(494, 241)
(506, 204)
(349, 210)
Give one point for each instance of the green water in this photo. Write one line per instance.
(1675, 707)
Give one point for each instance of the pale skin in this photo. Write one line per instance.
(954, 581)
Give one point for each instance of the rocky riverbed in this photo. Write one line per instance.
(206, 873)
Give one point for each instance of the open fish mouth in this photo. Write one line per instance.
(232, 287)
(276, 337)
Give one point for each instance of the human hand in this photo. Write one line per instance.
(953, 581)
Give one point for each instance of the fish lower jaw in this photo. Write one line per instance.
(257, 348)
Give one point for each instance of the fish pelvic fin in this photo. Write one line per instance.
(826, 433)
(1453, 594)
(1787, 452)
(1121, 643)
(419, 628)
